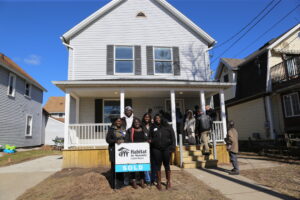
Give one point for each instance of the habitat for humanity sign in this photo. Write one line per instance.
(132, 157)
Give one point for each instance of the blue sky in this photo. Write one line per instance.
(30, 30)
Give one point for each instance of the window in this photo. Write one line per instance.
(111, 110)
(124, 60)
(291, 105)
(163, 60)
(11, 85)
(27, 89)
(61, 115)
(28, 125)
(141, 14)
(226, 78)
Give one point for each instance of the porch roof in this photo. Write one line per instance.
(147, 83)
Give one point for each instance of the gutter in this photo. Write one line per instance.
(68, 46)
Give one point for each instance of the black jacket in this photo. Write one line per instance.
(113, 135)
(162, 138)
(138, 136)
(203, 123)
(124, 124)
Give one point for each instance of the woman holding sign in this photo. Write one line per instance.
(116, 134)
(138, 135)
(162, 139)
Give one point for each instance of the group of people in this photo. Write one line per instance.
(162, 141)
(197, 126)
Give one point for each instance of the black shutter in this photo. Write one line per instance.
(176, 61)
(110, 60)
(150, 64)
(128, 102)
(137, 60)
(98, 110)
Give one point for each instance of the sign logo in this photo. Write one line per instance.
(123, 152)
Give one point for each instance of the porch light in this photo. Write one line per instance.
(180, 92)
(115, 93)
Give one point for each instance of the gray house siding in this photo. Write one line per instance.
(13, 112)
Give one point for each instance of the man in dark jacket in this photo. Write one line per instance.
(232, 147)
(203, 126)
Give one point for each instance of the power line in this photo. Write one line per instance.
(233, 36)
(273, 26)
(246, 32)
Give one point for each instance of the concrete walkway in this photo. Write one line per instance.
(16, 179)
(238, 187)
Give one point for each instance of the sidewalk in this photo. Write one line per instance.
(238, 187)
(16, 179)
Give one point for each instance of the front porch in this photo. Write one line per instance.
(91, 105)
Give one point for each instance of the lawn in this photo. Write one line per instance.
(92, 184)
(284, 179)
(18, 157)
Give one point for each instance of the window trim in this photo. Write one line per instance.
(14, 85)
(30, 87)
(133, 60)
(103, 104)
(284, 104)
(160, 60)
(31, 125)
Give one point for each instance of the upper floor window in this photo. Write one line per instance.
(291, 105)
(124, 59)
(28, 125)
(11, 85)
(226, 78)
(163, 61)
(27, 89)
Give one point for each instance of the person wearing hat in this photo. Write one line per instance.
(232, 147)
(128, 118)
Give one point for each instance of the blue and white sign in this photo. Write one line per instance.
(132, 157)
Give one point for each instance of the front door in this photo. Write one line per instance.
(179, 106)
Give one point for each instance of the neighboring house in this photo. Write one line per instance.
(142, 53)
(266, 100)
(55, 106)
(21, 99)
(54, 118)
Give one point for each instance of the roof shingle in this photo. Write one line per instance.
(55, 105)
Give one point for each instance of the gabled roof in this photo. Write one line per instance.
(231, 63)
(55, 105)
(13, 67)
(267, 46)
(108, 7)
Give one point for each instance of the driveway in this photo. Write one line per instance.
(16, 179)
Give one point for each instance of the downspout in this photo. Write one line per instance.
(72, 49)
(268, 101)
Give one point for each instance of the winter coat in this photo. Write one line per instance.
(203, 123)
(162, 137)
(124, 123)
(189, 125)
(137, 137)
(112, 137)
(232, 140)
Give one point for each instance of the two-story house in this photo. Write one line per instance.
(21, 99)
(142, 53)
(265, 103)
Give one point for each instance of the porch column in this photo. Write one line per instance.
(173, 111)
(122, 102)
(67, 120)
(223, 112)
(202, 101)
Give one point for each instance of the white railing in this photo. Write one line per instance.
(218, 132)
(87, 135)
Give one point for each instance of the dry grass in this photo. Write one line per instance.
(92, 184)
(284, 179)
(18, 157)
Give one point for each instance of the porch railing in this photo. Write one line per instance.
(285, 71)
(217, 130)
(87, 135)
(93, 135)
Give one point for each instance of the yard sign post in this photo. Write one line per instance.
(132, 157)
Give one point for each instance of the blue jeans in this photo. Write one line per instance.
(233, 160)
(147, 177)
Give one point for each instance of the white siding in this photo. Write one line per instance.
(249, 118)
(54, 128)
(121, 27)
